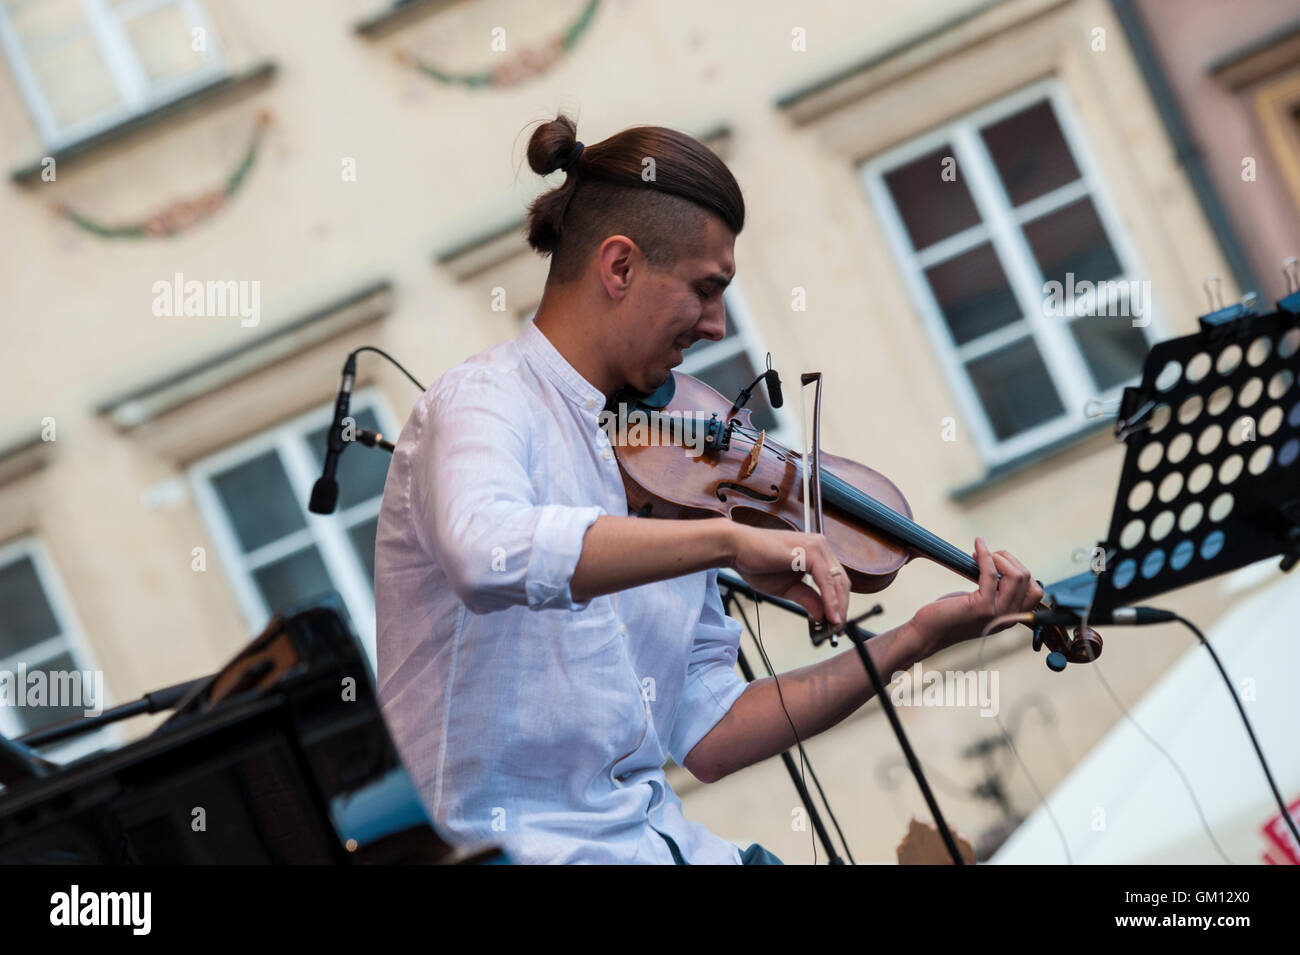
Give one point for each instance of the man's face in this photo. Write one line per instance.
(676, 308)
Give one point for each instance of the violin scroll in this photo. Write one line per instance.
(1083, 647)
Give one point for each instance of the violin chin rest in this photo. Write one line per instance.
(659, 398)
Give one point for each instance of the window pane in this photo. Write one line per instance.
(931, 207)
(1015, 389)
(74, 78)
(729, 377)
(363, 539)
(163, 42)
(292, 580)
(973, 292)
(1072, 241)
(259, 501)
(1030, 153)
(26, 617)
(59, 687)
(362, 470)
(1112, 347)
(40, 23)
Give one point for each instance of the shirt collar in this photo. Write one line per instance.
(539, 350)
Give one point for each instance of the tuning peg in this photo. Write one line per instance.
(1056, 661)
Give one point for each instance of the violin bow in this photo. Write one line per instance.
(812, 479)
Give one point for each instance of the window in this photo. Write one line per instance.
(278, 554)
(733, 362)
(984, 215)
(40, 633)
(85, 65)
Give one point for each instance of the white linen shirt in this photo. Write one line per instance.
(527, 719)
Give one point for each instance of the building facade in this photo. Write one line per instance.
(211, 202)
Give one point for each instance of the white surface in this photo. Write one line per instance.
(1125, 803)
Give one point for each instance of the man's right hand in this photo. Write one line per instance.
(775, 562)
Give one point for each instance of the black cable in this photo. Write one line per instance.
(1227, 681)
(1011, 745)
(758, 640)
(380, 351)
(1187, 783)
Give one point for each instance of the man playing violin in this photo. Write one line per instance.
(541, 653)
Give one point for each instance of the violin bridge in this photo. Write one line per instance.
(751, 461)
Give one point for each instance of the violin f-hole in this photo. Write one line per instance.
(770, 497)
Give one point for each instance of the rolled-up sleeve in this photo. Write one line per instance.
(473, 503)
(712, 684)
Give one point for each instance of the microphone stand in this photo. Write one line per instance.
(158, 701)
(859, 636)
(730, 588)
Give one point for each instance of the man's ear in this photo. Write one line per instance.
(616, 262)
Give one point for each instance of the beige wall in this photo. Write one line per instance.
(438, 166)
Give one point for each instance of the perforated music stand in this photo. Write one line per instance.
(1211, 480)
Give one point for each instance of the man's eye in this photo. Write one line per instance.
(702, 292)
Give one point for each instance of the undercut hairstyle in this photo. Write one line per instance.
(609, 191)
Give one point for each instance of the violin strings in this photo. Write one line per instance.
(887, 519)
(891, 517)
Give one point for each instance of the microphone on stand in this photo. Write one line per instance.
(1120, 616)
(774, 388)
(773, 382)
(325, 492)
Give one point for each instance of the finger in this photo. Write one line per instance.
(1037, 592)
(1014, 561)
(807, 598)
(844, 588)
(820, 568)
(1033, 590)
(1014, 586)
(988, 582)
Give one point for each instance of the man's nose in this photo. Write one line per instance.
(713, 323)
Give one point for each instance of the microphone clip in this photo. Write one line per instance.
(773, 382)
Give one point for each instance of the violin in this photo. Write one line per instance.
(685, 452)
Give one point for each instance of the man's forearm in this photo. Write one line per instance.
(816, 698)
(623, 552)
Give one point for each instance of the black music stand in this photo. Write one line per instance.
(1211, 481)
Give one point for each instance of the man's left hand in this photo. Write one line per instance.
(963, 616)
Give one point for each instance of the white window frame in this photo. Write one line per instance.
(108, 26)
(1000, 225)
(327, 532)
(71, 639)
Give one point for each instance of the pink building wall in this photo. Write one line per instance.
(1190, 36)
